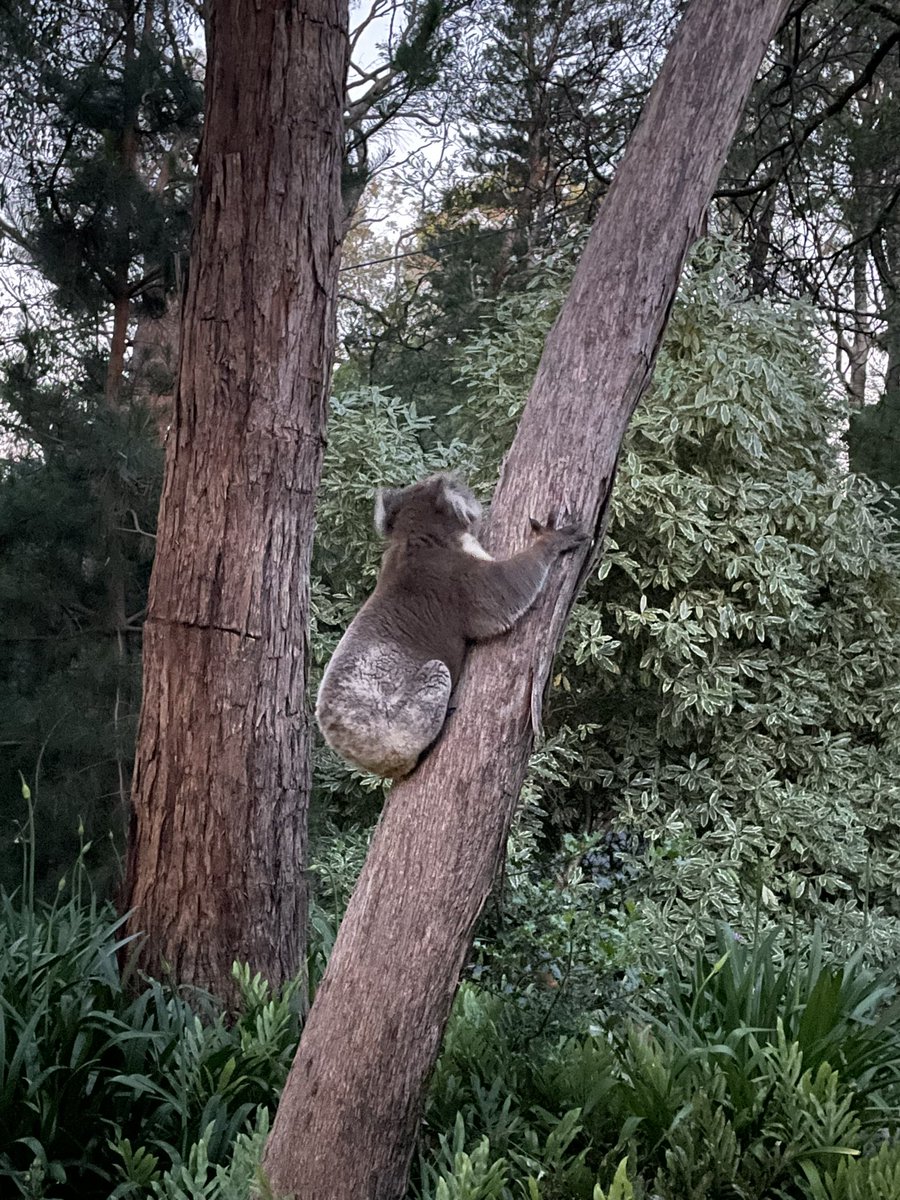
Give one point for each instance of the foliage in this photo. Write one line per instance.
(108, 1088)
(723, 728)
(97, 188)
(99, 111)
(823, 223)
(842, 1016)
(621, 1188)
(747, 1081)
(875, 1178)
(239, 1179)
(560, 930)
(761, 1073)
(729, 681)
(69, 675)
(541, 98)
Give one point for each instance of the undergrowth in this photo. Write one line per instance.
(755, 1075)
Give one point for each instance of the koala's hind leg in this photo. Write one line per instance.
(418, 716)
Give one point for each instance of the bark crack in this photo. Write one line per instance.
(232, 629)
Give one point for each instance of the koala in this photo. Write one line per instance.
(385, 693)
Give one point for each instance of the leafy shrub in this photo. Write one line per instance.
(69, 693)
(560, 930)
(875, 1178)
(728, 685)
(763, 1073)
(842, 1016)
(727, 689)
(760, 1075)
(101, 1088)
(200, 1179)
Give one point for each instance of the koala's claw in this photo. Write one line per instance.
(567, 537)
(571, 537)
(548, 526)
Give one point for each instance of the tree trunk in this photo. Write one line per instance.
(115, 567)
(154, 346)
(347, 1121)
(154, 358)
(861, 333)
(217, 852)
(760, 275)
(862, 221)
(873, 436)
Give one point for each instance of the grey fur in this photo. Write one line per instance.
(384, 695)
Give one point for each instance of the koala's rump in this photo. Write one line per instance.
(382, 703)
(384, 695)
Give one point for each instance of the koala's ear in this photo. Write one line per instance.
(458, 500)
(387, 502)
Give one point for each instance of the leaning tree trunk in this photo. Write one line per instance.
(216, 859)
(347, 1120)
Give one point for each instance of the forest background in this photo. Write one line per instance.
(723, 730)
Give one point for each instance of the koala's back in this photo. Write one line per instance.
(385, 693)
(388, 683)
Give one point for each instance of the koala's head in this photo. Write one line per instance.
(440, 505)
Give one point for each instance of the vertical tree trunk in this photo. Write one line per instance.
(889, 254)
(154, 358)
(217, 853)
(347, 1120)
(116, 615)
(859, 215)
(761, 245)
(861, 333)
(873, 436)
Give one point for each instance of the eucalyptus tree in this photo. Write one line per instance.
(216, 865)
(347, 1118)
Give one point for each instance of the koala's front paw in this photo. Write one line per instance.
(564, 537)
(569, 537)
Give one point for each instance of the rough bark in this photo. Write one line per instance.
(347, 1121)
(216, 858)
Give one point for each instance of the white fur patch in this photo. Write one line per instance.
(379, 512)
(470, 545)
(462, 503)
